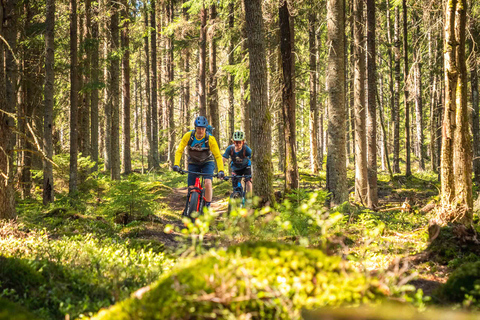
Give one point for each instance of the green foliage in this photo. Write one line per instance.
(75, 275)
(269, 280)
(129, 196)
(463, 285)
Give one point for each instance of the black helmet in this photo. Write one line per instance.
(201, 121)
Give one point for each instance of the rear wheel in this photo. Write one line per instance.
(193, 206)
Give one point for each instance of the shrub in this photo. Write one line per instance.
(463, 284)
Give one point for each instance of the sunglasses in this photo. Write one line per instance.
(237, 142)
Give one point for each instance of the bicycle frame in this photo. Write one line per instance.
(198, 188)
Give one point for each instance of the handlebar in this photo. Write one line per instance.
(198, 173)
(236, 177)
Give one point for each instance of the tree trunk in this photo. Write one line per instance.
(261, 123)
(202, 55)
(114, 85)
(171, 96)
(148, 107)
(231, 77)
(313, 94)
(288, 99)
(10, 29)
(396, 105)
(127, 158)
(418, 100)
(48, 120)
(462, 148)
(154, 102)
(372, 195)
(214, 112)
(361, 182)
(408, 170)
(335, 84)
(474, 29)
(321, 109)
(95, 80)
(73, 98)
(7, 124)
(86, 79)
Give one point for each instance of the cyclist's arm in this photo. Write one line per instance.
(248, 152)
(216, 152)
(181, 147)
(226, 155)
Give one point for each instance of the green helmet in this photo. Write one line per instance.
(239, 136)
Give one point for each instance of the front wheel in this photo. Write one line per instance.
(234, 201)
(193, 206)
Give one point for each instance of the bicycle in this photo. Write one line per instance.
(195, 196)
(239, 192)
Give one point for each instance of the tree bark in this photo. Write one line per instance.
(49, 86)
(261, 123)
(372, 195)
(170, 75)
(396, 108)
(127, 158)
(419, 100)
(408, 170)
(212, 79)
(314, 166)
(451, 78)
(114, 86)
(336, 157)
(96, 83)
(7, 124)
(462, 147)
(202, 55)
(231, 77)
(474, 29)
(288, 99)
(148, 107)
(154, 102)
(361, 182)
(72, 187)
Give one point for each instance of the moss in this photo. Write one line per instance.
(265, 280)
(463, 281)
(9, 310)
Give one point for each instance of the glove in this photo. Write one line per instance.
(176, 168)
(221, 175)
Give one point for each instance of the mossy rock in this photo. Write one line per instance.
(10, 310)
(263, 280)
(387, 312)
(463, 281)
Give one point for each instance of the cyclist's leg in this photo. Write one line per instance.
(191, 176)
(208, 168)
(248, 181)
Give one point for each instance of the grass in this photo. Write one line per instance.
(108, 240)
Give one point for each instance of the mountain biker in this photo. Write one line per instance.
(240, 154)
(202, 149)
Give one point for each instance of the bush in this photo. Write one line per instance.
(463, 284)
(263, 280)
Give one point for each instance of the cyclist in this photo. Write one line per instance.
(202, 149)
(240, 154)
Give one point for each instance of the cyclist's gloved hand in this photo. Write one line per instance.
(221, 174)
(176, 168)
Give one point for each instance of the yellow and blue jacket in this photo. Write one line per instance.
(199, 150)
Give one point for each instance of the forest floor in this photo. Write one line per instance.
(137, 223)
